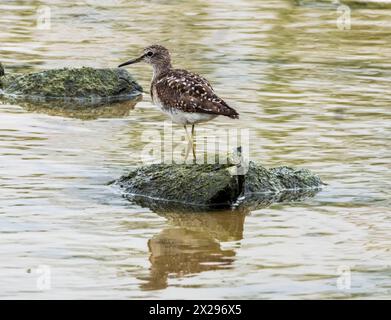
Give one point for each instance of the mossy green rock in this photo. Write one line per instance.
(214, 185)
(83, 85)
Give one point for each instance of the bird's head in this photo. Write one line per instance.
(155, 55)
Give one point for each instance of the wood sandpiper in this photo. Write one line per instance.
(186, 97)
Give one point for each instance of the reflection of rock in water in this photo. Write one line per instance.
(258, 201)
(84, 112)
(250, 202)
(191, 245)
(219, 225)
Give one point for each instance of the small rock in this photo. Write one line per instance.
(213, 185)
(86, 86)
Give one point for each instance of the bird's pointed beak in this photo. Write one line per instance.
(132, 61)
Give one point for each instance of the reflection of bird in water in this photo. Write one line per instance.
(186, 97)
(178, 252)
(192, 245)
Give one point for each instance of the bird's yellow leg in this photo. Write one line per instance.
(193, 141)
(189, 144)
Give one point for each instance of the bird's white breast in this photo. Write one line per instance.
(179, 116)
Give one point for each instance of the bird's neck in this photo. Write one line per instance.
(160, 69)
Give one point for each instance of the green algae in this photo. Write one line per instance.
(83, 85)
(196, 184)
(163, 186)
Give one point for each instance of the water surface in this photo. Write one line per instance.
(311, 94)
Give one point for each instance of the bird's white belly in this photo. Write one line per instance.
(184, 118)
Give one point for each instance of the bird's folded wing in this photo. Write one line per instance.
(189, 92)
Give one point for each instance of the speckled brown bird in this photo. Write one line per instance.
(186, 97)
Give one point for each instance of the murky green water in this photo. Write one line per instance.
(311, 94)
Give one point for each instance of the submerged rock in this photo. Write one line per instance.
(84, 86)
(170, 186)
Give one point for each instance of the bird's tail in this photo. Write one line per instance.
(233, 114)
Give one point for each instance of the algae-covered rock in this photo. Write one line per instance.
(87, 86)
(213, 185)
(259, 179)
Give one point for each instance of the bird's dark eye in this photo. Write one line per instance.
(149, 53)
